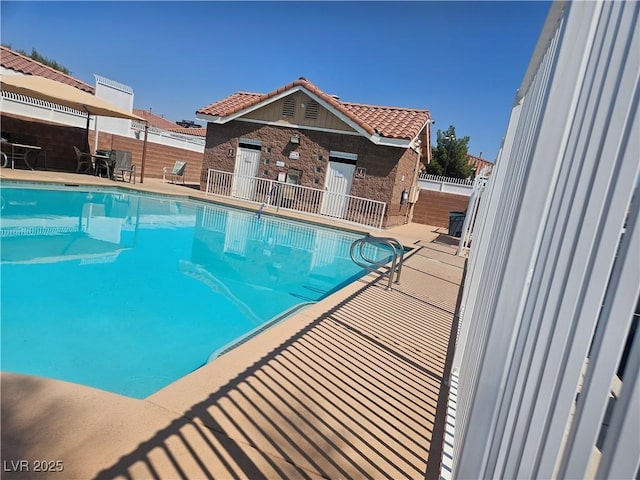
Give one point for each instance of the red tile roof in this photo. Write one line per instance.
(20, 63)
(198, 132)
(389, 122)
(154, 120)
(478, 163)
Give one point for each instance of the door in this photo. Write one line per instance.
(337, 187)
(244, 174)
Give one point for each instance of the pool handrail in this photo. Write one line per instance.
(375, 266)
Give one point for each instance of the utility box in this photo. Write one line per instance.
(456, 221)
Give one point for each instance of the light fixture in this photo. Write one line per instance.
(295, 139)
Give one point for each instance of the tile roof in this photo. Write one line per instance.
(154, 120)
(478, 162)
(13, 60)
(198, 132)
(389, 122)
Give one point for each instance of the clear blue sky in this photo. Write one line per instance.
(463, 61)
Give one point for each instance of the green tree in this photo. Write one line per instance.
(449, 156)
(35, 55)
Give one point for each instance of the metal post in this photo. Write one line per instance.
(144, 152)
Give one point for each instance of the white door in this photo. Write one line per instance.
(337, 187)
(244, 174)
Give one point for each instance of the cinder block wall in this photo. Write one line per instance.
(58, 141)
(432, 208)
(158, 156)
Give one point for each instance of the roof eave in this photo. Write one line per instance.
(390, 142)
(210, 118)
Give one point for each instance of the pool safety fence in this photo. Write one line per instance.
(298, 198)
(548, 354)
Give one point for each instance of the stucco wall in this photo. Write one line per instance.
(385, 166)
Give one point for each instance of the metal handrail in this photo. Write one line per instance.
(372, 265)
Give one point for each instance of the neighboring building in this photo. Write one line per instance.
(154, 120)
(14, 63)
(478, 163)
(302, 135)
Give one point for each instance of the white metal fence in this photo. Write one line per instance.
(479, 185)
(443, 179)
(438, 183)
(313, 201)
(553, 276)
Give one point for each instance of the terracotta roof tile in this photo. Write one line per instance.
(20, 63)
(198, 132)
(232, 104)
(478, 162)
(388, 122)
(154, 120)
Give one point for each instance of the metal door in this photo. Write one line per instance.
(337, 187)
(244, 174)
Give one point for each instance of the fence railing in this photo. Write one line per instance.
(548, 357)
(443, 179)
(312, 201)
(458, 186)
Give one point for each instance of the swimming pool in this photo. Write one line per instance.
(128, 292)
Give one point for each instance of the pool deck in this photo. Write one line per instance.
(351, 387)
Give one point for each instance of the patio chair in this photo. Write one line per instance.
(84, 161)
(123, 164)
(178, 170)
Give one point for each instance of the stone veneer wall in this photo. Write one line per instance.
(385, 166)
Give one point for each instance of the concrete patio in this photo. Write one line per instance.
(351, 387)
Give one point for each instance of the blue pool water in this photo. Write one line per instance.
(129, 292)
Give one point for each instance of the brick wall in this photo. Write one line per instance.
(385, 166)
(432, 208)
(58, 141)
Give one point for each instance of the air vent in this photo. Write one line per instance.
(312, 110)
(288, 107)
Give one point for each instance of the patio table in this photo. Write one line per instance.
(21, 152)
(99, 157)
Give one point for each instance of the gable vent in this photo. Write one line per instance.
(289, 107)
(312, 110)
